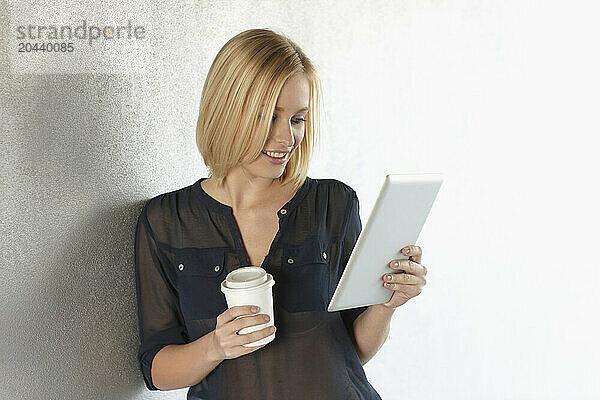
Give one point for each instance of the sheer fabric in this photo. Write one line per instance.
(186, 242)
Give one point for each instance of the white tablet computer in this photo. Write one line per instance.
(396, 220)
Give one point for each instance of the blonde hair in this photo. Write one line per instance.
(242, 87)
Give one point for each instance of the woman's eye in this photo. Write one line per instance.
(295, 121)
(298, 121)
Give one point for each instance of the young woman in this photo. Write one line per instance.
(256, 131)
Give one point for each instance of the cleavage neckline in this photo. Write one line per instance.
(218, 206)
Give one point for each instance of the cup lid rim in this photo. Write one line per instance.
(261, 278)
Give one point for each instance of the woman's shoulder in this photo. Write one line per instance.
(336, 187)
(166, 206)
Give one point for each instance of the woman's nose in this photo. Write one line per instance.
(283, 134)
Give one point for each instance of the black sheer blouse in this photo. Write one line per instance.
(186, 242)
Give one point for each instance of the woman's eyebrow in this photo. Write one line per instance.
(302, 109)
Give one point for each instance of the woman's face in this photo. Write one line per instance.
(287, 128)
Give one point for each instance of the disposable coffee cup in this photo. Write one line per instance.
(251, 286)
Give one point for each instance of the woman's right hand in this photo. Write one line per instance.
(227, 343)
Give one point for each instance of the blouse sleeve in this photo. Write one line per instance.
(157, 304)
(353, 229)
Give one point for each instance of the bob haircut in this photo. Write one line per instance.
(242, 86)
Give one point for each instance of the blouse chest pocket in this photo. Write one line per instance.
(305, 277)
(200, 273)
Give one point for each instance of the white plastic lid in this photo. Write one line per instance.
(246, 277)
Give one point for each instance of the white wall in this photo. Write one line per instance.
(502, 97)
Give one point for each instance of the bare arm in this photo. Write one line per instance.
(178, 366)
(370, 331)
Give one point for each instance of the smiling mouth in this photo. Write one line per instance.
(277, 158)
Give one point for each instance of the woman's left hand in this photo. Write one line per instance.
(408, 283)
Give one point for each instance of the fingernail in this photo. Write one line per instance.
(254, 309)
(396, 263)
(408, 251)
(388, 277)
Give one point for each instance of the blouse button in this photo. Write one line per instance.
(181, 267)
(290, 260)
(217, 268)
(283, 211)
(325, 255)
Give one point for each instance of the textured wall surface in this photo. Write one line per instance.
(499, 96)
